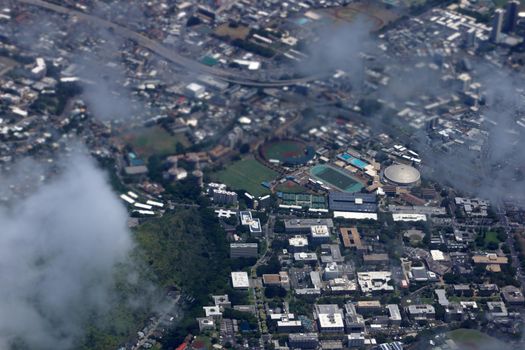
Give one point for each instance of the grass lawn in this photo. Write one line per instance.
(281, 150)
(491, 236)
(472, 339)
(246, 174)
(426, 301)
(155, 140)
(205, 340)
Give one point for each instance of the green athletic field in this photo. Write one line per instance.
(246, 174)
(336, 178)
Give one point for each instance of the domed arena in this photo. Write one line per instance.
(402, 175)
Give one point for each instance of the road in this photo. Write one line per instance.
(170, 55)
(261, 261)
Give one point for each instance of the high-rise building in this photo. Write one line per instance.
(497, 24)
(470, 38)
(511, 16)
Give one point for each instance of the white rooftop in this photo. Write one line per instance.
(334, 320)
(240, 280)
(320, 231)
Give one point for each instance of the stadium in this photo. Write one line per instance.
(287, 152)
(402, 175)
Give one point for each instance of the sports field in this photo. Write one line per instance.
(246, 174)
(283, 149)
(287, 152)
(154, 140)
(336, 178)
(491, 237)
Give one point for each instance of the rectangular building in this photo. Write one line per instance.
(289, 326)
(369, 307)
(353, 202)
(330, 319)
(376, 259)
(351, 238)
(221, 196)
(319, 234)
(280, 279)
(240, 280)
(303, 225)
(298, 244)
(394, 314)
(356, 340)
(303, 341)
(243, 250)
(421, 312)
(375, 281)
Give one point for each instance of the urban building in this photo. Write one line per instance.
(303, 341)
(303, 226)
(240, 280)
(421, 312)
(511, 16)
(298, 244)
(375, 281)
(319, 234)
(243, 250)
(497, 26)
(330, 319)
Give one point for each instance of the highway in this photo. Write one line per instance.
(170, 55)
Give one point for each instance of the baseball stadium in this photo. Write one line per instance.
(287, 152)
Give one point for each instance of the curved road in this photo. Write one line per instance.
(168, 54)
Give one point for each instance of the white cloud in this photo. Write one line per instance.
(58, 250)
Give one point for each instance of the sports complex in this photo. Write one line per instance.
(287, 152)
(336, 178)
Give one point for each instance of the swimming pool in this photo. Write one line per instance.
(358, 163)
(352, 160)
(345, 156)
